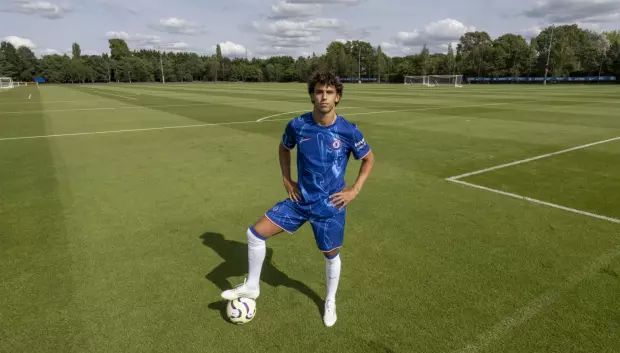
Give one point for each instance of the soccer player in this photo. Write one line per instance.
(325, 141)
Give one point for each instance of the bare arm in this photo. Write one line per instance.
(367, 163)
(285, 161)
(292, 188)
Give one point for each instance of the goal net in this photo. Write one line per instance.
(450, 80)
(416, 80)
(6, 83)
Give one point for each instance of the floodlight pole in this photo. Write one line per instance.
(161, 65)
(359, 63)
(549, 55)
(600, 68)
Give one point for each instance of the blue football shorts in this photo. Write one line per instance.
(328, 229)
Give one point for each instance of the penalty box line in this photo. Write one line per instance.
(456, 179)
(536, 306)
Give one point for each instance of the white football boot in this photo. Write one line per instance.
(329, 317)
(241, 291)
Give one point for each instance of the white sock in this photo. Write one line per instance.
(332, 269)
(256, 256)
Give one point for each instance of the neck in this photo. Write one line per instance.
(324, 119)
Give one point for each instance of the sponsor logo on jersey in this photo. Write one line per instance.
(360, 144)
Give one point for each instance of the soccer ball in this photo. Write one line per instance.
(241, 310)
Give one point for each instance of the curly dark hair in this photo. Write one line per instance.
(324, 77)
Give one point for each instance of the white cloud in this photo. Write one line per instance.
(325, 1)
(43, 9)
(118, 35)
(446, 30)
(178, 26)
(147, 41)
(436, 35)
(231, 50)
(20, 42)
(285, 37)
(48, 51)
(265, 51)
(388, 46)
(295, 26)
(297, 29)
(445, 46)
(90, 52)
(530, 32)
(287, 9)
(120, 6)
(438, 32)
(571, 11)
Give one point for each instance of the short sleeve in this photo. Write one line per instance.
(288, 138)
(359, 146)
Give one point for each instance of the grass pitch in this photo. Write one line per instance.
(124, 208)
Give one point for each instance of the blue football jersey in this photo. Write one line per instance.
(322, 157)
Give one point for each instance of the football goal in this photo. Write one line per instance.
(6, 83)
(416, 80)
(450, 80)
(435, 80)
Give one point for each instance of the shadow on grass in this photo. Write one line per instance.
(235, 255)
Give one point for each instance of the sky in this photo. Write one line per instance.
(263, 28)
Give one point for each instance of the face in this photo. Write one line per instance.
(325, 98)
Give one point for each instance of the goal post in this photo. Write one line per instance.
(435, 80)
(416, 80)
(6, 83)
(451, 80)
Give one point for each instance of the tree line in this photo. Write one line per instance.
(569, 49)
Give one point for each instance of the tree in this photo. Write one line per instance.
(613, 36)
(27, 64)
(509, 52)
(574, 51)
(77, 52)
(381, 63)
(424, 60)
(118, 49)
(450, 60)
(9, 62)
(218, 55)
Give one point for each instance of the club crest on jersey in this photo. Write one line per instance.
(335, 144)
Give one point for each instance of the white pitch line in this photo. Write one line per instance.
(57, 110)
(112, 94)
(454, 178)
(103, 108)
(297, 111)
(52, 102)
(584, 213)
(437, 108)
(405, 110)
(188, 126)
(536, 306)
(271, 116)
(135, 130)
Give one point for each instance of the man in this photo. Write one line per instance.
(324, 143)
